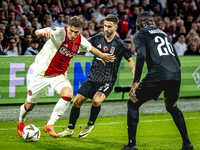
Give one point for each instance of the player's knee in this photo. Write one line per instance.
(29, 106)
(170, 103)
(96, 103)
(66, 92)
(77, 104)
(171, 109)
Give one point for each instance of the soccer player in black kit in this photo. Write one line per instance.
(164, 74)
(101, 78)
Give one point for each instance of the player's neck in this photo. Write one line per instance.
(110, 38)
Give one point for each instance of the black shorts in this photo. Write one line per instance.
(88, 89)
(151, 90)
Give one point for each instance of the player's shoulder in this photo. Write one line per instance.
(54, 28)
(58, 30)
(97, 37)
(141, 33)
(120, 42)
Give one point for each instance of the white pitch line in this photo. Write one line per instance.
(3, 129)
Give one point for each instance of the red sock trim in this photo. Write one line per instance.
(25, 107)
(66, 98)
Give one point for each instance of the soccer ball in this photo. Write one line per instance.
(31, 133)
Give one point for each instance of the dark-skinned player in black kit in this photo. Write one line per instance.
(164, 74)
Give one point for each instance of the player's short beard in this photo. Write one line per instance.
(109, 33)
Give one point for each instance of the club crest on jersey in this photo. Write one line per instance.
(112, 50)
(75, 48)
(105, 48)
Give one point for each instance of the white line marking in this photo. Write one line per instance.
(2, 129)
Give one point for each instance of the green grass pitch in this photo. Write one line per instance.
(156, 132)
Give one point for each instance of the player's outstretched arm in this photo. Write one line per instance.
(44, 32)
(103, 56)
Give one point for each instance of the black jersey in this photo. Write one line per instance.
(101, 73)
(160, 55)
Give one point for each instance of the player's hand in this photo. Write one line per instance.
(108, 57)
(47, 34)
(133, 89)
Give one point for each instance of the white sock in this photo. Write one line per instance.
(59, 109)
(23, 113)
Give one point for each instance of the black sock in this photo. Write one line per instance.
(180, 123)
(132, 121)
(74, 114)
(94, 114)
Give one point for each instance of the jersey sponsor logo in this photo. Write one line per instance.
(99, 46)
(65, 52)
(105, 48)
(112, 50)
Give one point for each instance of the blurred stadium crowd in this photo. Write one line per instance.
(179, 19)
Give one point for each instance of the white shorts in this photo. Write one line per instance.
(38, 85)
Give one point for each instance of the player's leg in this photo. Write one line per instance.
(132, 122)
(145, 91)
(64, 89)
(74, 114)
(62, 105)
(95, 109)
(35, 90)
(102, 92)
(24, 111)
(171, 94)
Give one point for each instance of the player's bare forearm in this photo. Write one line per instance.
(43, 32)
(131, 66)
(133, 89)
(103, 56)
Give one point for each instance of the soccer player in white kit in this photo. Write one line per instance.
(50, 69)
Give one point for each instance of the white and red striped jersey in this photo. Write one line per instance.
(56, 54)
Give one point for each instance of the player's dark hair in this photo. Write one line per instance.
(144, 19)
(75, 21)
(113, 18)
